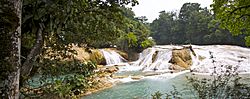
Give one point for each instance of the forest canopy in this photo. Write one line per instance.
(193, 25)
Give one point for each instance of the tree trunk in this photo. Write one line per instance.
(12, 81)
(35, 51)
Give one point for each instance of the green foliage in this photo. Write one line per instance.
(55, 67)
(132, 40)
(70, 86)
(164, 28)
(174, 94)
(221, 85)
(63, 79)
(194, 25)
(227, 85)
(147, 43)
(233, 15)
(64, 22)
(135, 33)
(157, 95)
(58, 24)
(81, 22)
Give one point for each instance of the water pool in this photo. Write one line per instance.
(141, 89)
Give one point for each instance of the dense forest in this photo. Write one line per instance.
(37, 36)
(192, 25)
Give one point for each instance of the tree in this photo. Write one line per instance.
(11, 28)
(234, 15)
(194, 21)
(136, 33)
(163, 28)
(58, 23)
(52, 25)
(193, 25)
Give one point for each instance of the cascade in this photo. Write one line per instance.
(112, 57)
(221, 56)
(157, 58)
(153, 59)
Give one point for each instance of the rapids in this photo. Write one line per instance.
(205, 58)
(153, 67)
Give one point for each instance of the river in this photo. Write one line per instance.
(212, 55)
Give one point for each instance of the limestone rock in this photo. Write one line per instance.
(111, 69)
(181, 59)
(136, 77)
(176, 67)
(154, 56)
(119, 77)
(97, 56)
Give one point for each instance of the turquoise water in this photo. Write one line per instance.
(140, 89)
(145, 88)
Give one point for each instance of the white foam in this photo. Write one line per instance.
(112, 57)
(202, 62)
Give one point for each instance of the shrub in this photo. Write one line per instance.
(60, 79)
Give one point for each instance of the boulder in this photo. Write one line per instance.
(132, 55)
(97, 56)
(181, 59)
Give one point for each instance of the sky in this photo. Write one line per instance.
(151, 8)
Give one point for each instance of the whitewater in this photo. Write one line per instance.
(204, 59)
(153, 64)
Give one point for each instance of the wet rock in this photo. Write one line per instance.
(111, 69)
(123, 54)
(181, 59)
(154, 56)
(119, 77)
(176, 67)
(201, 57)
(97, 56)
(243, 57)
(133, 55)
(152, 74)
(136, 77)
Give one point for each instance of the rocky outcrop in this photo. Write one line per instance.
(97, 56)
(181, 59)
(111, 69)
(101, 79)
(87, 54)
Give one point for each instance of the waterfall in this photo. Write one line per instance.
(112, 57)
(157, 58)
(161, 61)
(222, 55)
(153, 59)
